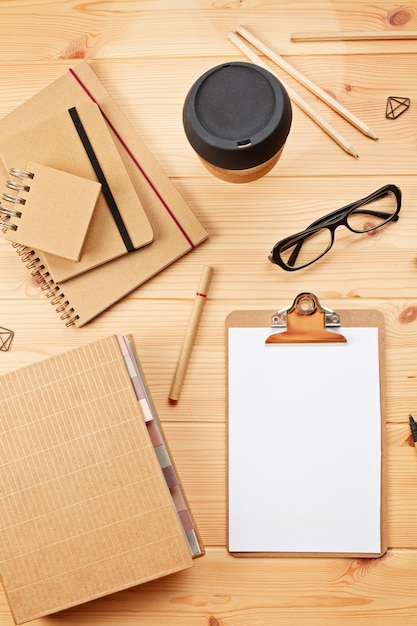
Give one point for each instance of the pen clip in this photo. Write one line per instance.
(306, 322)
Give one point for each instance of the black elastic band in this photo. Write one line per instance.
(101, 179)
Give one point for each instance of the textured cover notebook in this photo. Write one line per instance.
(85, 509)
(119, 223)
(176, 229)
(50, 210)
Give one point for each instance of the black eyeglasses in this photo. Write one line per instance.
(304, 248)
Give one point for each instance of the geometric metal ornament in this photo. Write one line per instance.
(6, 337)
(396, 107)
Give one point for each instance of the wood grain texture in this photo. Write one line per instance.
(151, 93)
(72, 30)
(148, 54)
(251, 592)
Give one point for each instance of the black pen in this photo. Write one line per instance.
(413, 426)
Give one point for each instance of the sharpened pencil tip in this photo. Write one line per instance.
(370, 133)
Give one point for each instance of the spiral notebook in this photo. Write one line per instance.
(87, 507)
(48, 209)
(176, 229)
(74, 141)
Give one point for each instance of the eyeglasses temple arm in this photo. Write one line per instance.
(295, 252)
(373, 213)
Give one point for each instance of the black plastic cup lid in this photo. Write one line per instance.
(237, 116)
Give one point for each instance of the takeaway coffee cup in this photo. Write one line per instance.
(237, 117)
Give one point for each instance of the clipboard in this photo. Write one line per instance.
(306, 431)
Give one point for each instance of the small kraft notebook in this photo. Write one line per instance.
(79, 142)
(49, 209)
(176, 229)
(90, 499)
(306, 432)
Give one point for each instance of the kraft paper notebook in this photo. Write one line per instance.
(119, 224)
(176, 229)
(49, 209)
(91, 502)
(306, 434)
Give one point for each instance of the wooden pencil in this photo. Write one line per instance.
(355, 35)
(302, 104)
(190, 335)
(320, 93)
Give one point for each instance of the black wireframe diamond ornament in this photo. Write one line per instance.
(396, 106)
(6, 337)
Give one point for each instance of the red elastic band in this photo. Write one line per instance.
(125, 146)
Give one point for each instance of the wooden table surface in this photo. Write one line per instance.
(148, 53)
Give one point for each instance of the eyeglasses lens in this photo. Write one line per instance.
(308, 249)
(373, 215)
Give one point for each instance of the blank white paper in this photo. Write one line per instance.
(304, 438)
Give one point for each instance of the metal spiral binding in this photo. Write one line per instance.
(47, 283)
(32, 263)
(62, 306)
(71, 320)
(6, 225)
(57, 299)
(29, 256)
(18, 173)
(8, 212)
(22, 249)
(13, 199)
(51, 290)
(12, 184)
(17, 245)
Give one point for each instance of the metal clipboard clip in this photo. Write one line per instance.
(306, 321)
